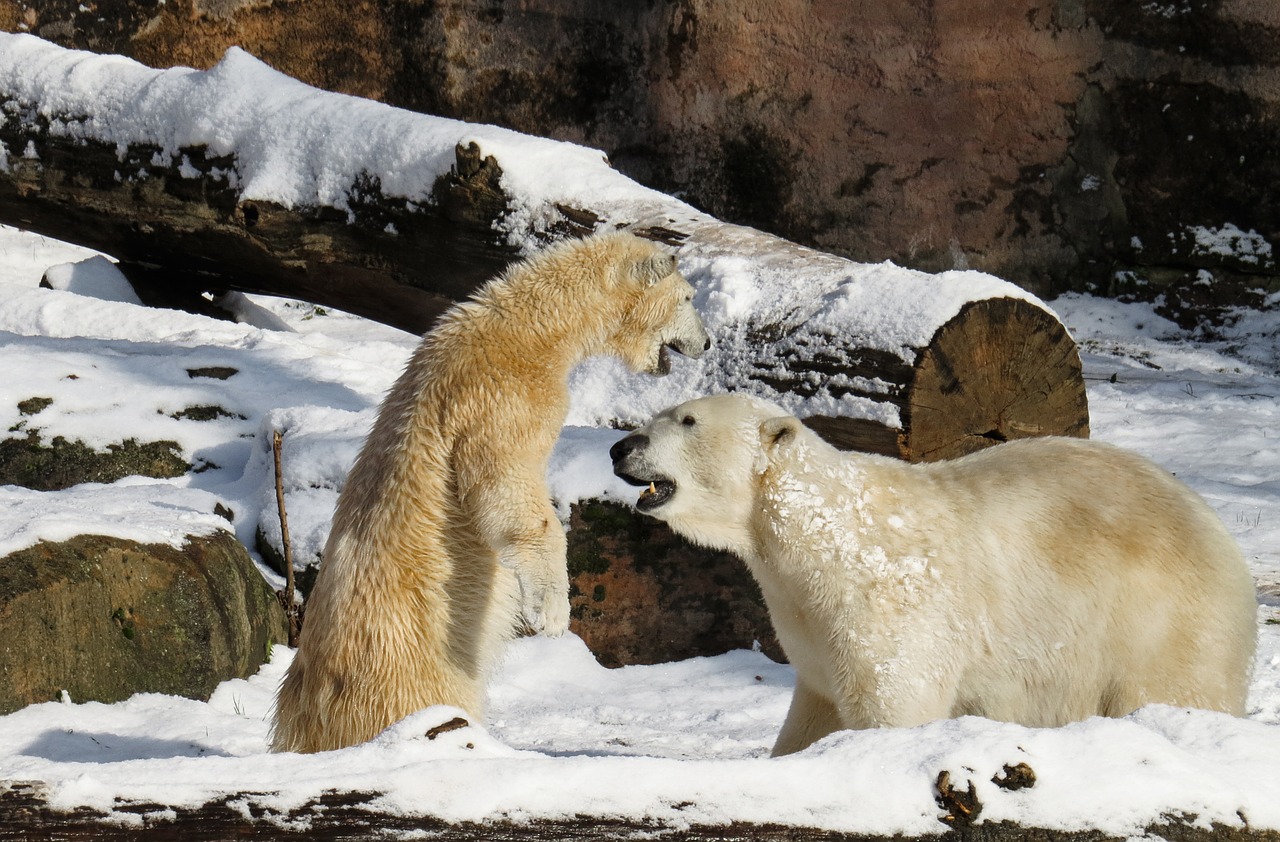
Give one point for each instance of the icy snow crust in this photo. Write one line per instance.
(683, 743)
(301, 147)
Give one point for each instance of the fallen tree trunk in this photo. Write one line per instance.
(915, 366)
(179, 235)
(25, 813)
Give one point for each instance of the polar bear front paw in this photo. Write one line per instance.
(555, 612)
(544, 608)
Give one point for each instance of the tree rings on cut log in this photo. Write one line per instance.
(1001, 369)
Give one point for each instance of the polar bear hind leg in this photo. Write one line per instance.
(810, 718)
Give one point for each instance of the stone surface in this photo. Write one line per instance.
(31, 462)
(102, 619)
(1062, 144)
(639, 594)
(28, 460)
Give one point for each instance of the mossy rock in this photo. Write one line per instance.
(104, 618)
(29, 462)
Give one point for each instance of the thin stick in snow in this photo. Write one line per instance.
(290, 609)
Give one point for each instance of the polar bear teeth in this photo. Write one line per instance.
(657, 493)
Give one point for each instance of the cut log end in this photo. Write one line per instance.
(1001, 369)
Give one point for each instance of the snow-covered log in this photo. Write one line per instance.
(240, 178)
(26, 812)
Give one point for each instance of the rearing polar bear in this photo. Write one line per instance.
(1039, 581)
(444, 533)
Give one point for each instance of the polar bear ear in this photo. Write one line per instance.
(656, 267)
(776, 431)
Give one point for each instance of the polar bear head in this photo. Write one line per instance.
(657, 308)
(700, 464)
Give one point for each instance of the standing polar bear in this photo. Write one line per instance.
(1039, 581)
(444, 533)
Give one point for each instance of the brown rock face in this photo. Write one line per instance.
(1062, 144)
(641, 594)
(103, 618)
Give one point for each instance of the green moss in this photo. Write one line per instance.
(205, 413)
(608, 519)
(28, 462)
(599, 523)
(34, 406)
(124, 619)
(585, 555)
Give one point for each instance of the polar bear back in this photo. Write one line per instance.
(1066, 579)
(1148, 595)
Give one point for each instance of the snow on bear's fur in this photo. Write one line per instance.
(444, 536)
(1039, 581)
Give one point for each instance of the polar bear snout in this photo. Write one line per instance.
(686, 335)
(629, 464)
(692, 346)
(624, 448)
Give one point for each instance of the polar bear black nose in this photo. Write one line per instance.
(624, 447)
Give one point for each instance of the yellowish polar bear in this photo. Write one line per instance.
(1040, 581)
(444, 533)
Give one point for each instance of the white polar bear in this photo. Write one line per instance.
(444, 533)
(1040, 581)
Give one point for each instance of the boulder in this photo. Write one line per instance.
(640, 594)
(101, 619)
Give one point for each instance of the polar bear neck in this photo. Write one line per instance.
(481, 350)
(571, 325)
(848, 518)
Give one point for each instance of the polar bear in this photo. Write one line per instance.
(444, 533)
(1039, 581)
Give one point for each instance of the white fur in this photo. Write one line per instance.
(1039, 581)
(444, 534)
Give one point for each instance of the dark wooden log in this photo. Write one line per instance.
(180, 229)
(25, 814)
(182, 226)
(1002, 368)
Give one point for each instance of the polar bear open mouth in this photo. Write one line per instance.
(663, 366)
(683, 347)
(657, 492)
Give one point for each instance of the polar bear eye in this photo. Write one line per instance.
(688, 421)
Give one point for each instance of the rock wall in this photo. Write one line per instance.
(1062, 144)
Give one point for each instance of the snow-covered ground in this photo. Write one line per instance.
(682, 743)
